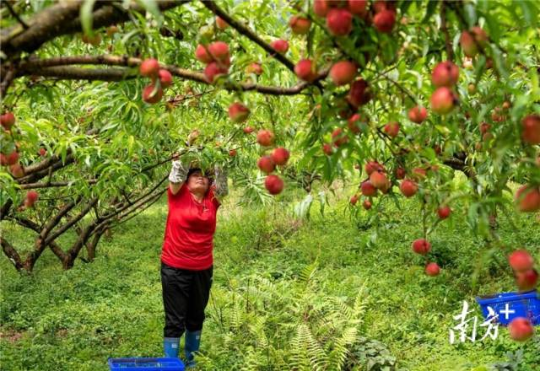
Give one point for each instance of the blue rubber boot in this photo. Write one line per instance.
(170, 346)
(193, 342)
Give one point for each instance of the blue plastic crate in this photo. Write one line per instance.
(146, 364)
(511, 305)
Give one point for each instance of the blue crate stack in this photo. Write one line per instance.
(145, 364)
(511, 305)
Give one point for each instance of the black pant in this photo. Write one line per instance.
(185, 296)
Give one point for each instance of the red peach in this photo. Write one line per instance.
(152, 94)
(266, 164)
(299, 25)
(527, 281)
(219, 50)
(445, 74)
(531, 129)
(165, 78)
(7, 120)
(339, 137)
(343, 72)
(201, 54)
(265, 138)
(444, 211)
(521, 329)
(521, 260)
(384, 21)
(149, 68)
(320, 8)
(432, 269)
(359, 94)
(368, 189)
(305, 70)
(528, 198)
(408, 188)
(443, 100)
(392, 129)
(339, 21)
(378, 179)
(213, 70)
(327, 149)
(255, 68)
(274, 184)
(357, 7)
(238, 112)
(221, 24)
(280, 46)
(418, 114)
(421, 246)
(280, 156)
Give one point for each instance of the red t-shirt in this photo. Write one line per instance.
(190, 228)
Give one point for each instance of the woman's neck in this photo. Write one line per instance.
(198, 196)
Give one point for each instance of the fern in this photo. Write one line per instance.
(294, 325)
(308, 272)
(316, 354)
(235, 317)
(339, 354)
(299, 360)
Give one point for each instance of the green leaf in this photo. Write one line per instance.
(131, 142)
(152, 8)
(432, 6)
(86, 16)
(493, 27)
(530, 12)
(127, 37)
(499, 62)
(479, 68)
(405, 5)
(63, 154)
(470, 14)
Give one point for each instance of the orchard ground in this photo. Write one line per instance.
(76, 319)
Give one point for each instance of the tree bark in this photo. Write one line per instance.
(12, 254)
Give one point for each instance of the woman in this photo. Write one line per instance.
(186, 258)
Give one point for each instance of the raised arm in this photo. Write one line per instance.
(177, 176)
(222, 188)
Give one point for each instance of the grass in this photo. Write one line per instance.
(76, 319)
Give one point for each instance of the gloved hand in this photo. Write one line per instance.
(178, 172)
(220, 174)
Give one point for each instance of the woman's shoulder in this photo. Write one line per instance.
(181, 191)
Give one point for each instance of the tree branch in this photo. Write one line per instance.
(53, 184)
(36, 228)
(6, 81)
(40, 174)
(66, 226)
(44, 26)
(15, 15)
(51, 67)
(11, 253)
(75, 73)
(63, 18)
(4, 211)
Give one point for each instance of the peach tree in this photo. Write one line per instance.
(97, 97)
